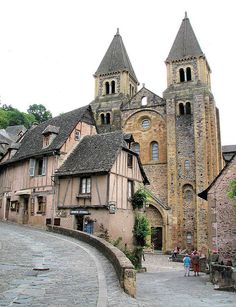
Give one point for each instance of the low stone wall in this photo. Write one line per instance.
(224, 277)
(123, 266)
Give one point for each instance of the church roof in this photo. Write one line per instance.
(185, 44)
(116, 58)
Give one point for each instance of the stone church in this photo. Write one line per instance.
(177, 136)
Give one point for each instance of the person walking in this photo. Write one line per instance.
(187, 262)
(196, 263)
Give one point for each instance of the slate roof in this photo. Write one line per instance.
(185, 44)
(51, 129)
(14, 131)
(116, 59)
(96, 154)
(204, 194)
(32, 143)
(228, 151)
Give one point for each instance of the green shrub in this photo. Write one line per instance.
(139, 198)
(141, 230)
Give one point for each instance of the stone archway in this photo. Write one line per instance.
(156, 223)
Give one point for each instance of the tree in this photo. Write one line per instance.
(10, 116)
(40, 113)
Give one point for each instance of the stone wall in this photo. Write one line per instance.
(222, 222)
(224, 277)
(124, 268)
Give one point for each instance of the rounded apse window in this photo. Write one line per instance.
(145, 123)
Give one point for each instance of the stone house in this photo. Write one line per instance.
(94, 186)
(222, 213)
(177, 136)
(27, 187)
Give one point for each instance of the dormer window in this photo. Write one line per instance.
(49, 134)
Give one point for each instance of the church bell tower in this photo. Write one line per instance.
(193, 137)
(115, 83)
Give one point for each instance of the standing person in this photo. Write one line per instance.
(196, 263)
(186, 262)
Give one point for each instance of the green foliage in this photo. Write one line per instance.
(10, 116)
(139, 198)
(141, 229)
(40, 113)
(116, 242)
(135, 256)
(232, 189)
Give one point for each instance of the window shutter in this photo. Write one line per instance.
(44, 167)
(31, 167)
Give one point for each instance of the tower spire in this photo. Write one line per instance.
(186, 43)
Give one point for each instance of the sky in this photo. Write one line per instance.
(50, 49)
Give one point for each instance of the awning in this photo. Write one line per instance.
(23, 192)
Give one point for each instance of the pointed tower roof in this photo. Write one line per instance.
(185, 44)
(116, 58)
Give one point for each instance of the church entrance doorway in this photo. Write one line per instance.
(156, 238)
(155, 219)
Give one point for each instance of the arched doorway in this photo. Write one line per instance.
(157, 227)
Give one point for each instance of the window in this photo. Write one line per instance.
(46, 140)
(113, 87)
(77, 135)
(41, 205)
(154, 149)
(102, 119)
(136, 147)
(188, 108)
(144, 101)
(108, 119)
(130, 161)
(181, 75)
(187, 165)
(181, 109)
(130, 189)
(107, 88)
(37, 167)
(85, 185)
(188, 73)
(145, 123)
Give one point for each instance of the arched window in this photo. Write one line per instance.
(145, 123)
(108, 118)
(144, 101)
(188, 73)
(107, 88)
(113, 87)
(188, 108)
(181, 75)
(181, 109)
(136, 147)
(187, 165)
(154, 151)
(102, 119)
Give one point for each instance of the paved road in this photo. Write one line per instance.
(79, 275)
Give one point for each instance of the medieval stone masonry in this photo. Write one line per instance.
(176, 136)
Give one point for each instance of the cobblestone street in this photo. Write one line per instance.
(79, 275)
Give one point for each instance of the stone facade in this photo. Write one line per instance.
(177, 138)
(222, 215)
